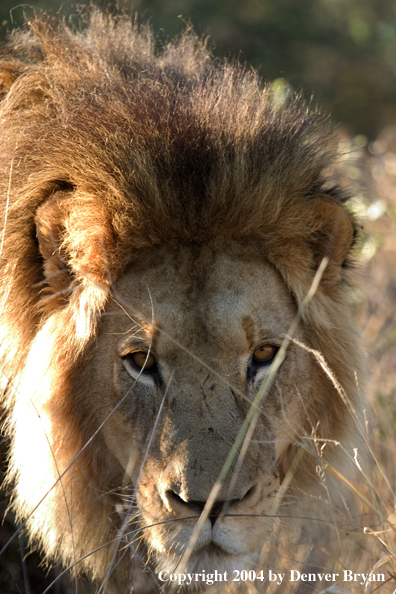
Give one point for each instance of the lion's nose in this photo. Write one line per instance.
(179, 505)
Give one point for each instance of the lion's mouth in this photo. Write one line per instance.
(226, 538)
(231, 530)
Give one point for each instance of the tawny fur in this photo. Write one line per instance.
(110, 148)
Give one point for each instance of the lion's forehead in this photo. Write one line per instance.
(207, 295)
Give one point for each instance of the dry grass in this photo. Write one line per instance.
(376, 312)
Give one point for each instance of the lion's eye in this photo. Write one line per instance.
(264, 354)
(142, 361)
(261, 359)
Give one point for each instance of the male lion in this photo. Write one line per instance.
(164, 219)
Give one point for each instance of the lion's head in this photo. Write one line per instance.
(164, 219)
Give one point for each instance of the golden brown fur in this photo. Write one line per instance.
(175, 196)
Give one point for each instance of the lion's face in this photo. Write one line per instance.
(204, 316)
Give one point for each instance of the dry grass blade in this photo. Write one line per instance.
(6, 209)
(245, 433)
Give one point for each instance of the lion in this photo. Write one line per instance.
(164, 219)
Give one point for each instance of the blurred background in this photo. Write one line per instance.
(342, 54)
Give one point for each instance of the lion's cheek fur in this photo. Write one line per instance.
(60, 485)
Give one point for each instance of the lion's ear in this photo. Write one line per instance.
(9, 72)
(50, 229)
(333, 236)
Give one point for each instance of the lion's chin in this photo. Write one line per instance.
(210, 559)
(221, 548)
